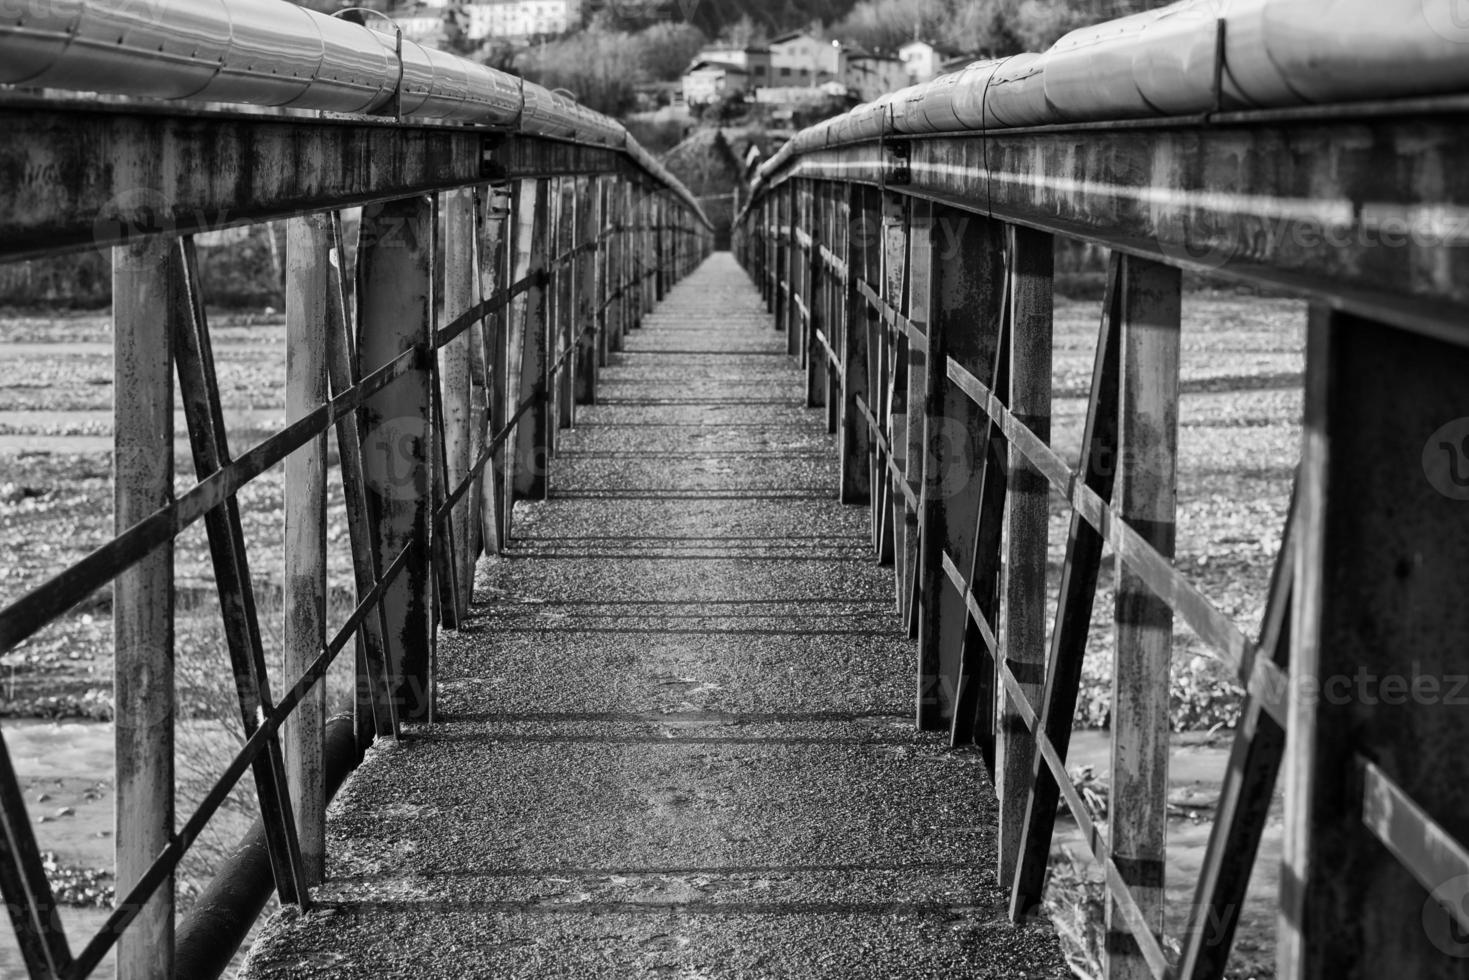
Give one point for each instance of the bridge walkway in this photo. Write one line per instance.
(676, 737)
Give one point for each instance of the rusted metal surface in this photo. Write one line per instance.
(204, 412)
(1368, 213)
(1376, 656)
(1027, 515)
(145, 281)
(530, 359)
(458, 212)
(395, 315)
(74, 169)
(1147, 498)
(308, 286)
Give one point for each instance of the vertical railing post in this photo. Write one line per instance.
(894, 410)
(796, 269)
(1027, 513)
(490, 360)
(1377, 667)
(1147, 499)
(962, 490)
(394, 315)
(662, 249)
(833, 303)
(780, 239)
(817, 318)
(532, 237)
(308, 263)
(588, 289)
(914, 459)
(856, 437)
(144, 281)
(455, 382)
(606, 269)
(564, 304)
(648, 279)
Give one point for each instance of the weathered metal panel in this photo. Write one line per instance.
(1369, 212)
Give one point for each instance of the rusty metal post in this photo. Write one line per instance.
(457, 208)
(604, 307)
(914, 360)
(394, 315)
(856, 445)
(588, 289)
(1147, 491)
(779, 284)
(893, 524)
(817, 318)
(493, 335)
(962, 489)
(144, 281)
(565, 303)
(794, 269)
(1376, 803)
(308, 264)
(617, 264)
(531, 440)
(1023, 622)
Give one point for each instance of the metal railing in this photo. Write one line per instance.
(495, 267)
(913, 275)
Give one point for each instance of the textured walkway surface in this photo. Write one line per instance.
(676, 737)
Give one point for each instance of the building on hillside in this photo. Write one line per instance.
(754, 59)
(706, 81)
(520, 19)
(923, 61)
(869, 75)
(799, 58)
(422, 23)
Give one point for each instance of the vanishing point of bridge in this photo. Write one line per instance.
(675, 734)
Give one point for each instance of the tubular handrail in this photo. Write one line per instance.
(276, 53)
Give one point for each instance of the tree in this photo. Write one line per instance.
(666, 49)
(599, 68)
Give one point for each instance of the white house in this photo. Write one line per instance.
(706, 81)
(518, 19)
(870, 75)
(799, 59)
(921, 60)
